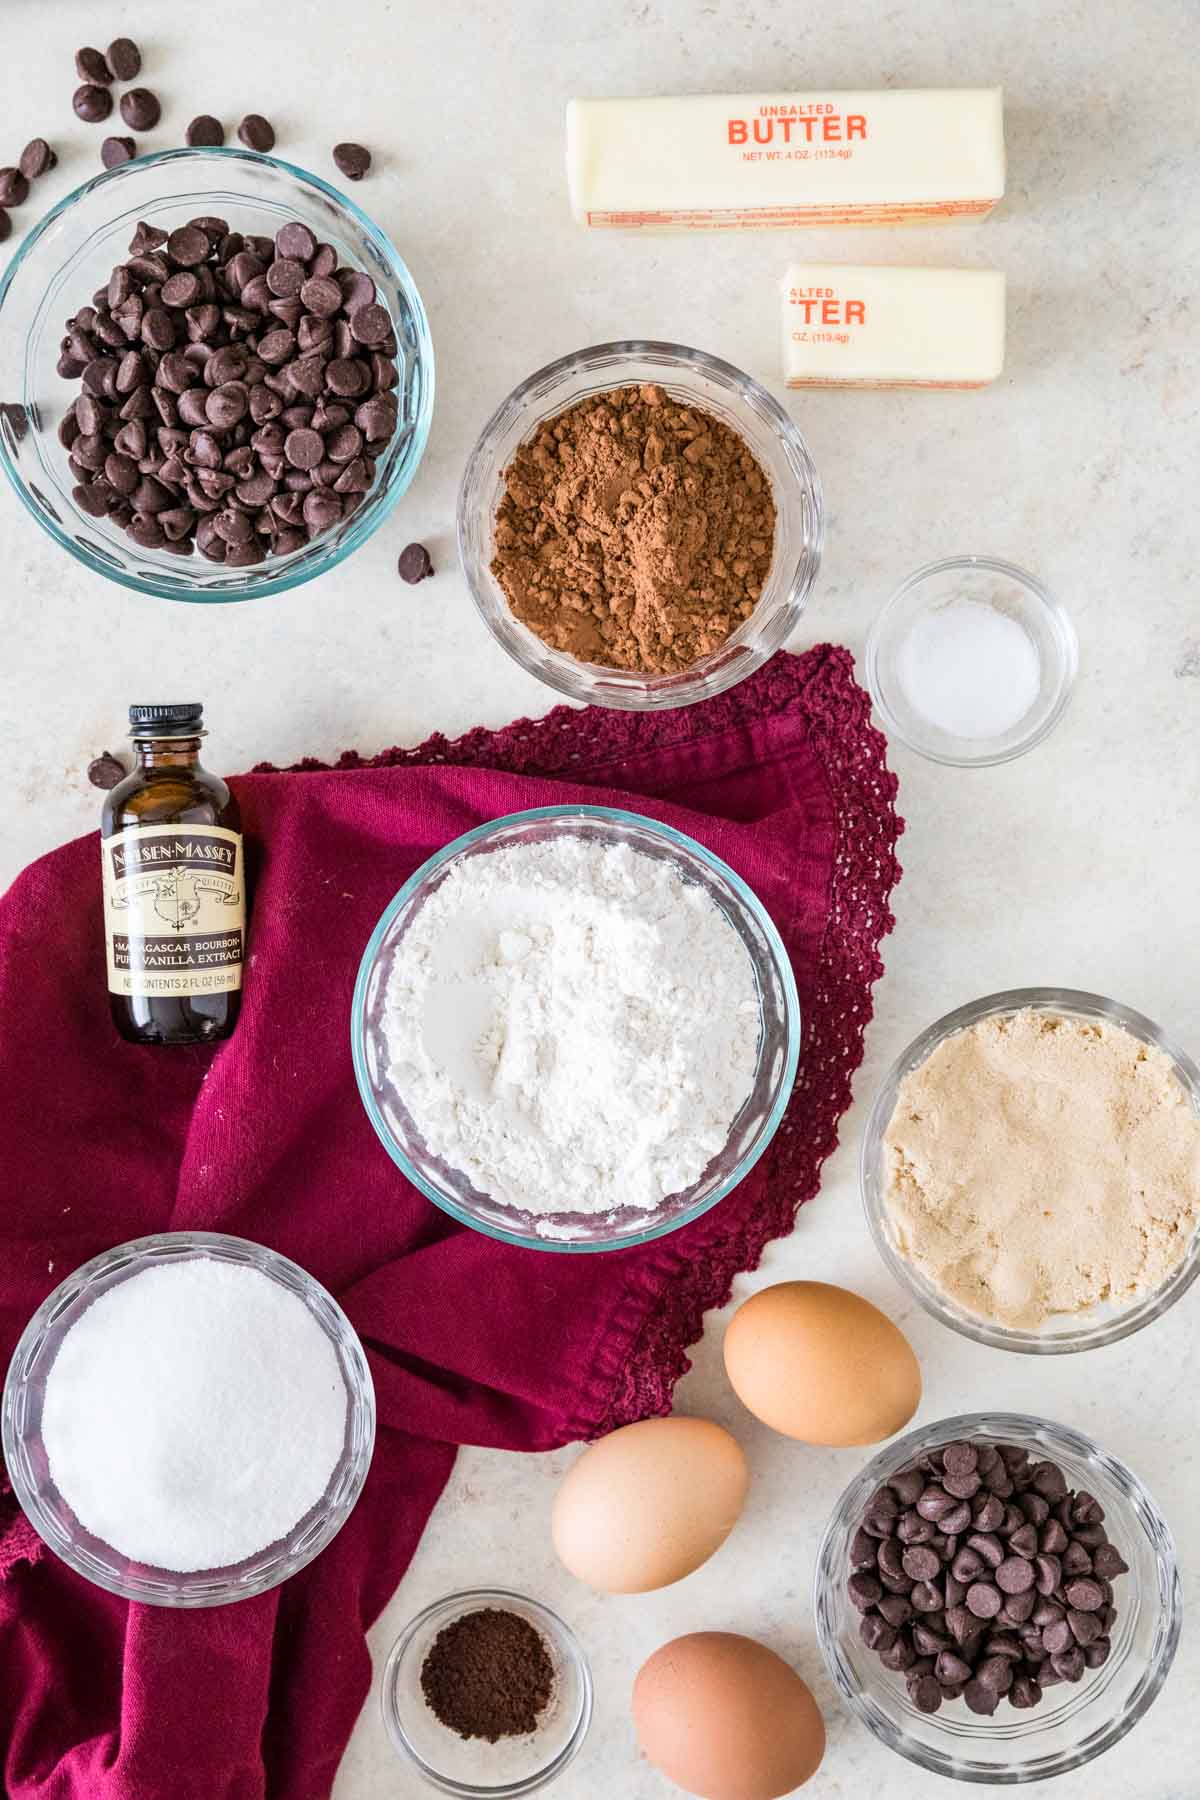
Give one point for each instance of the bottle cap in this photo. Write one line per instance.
(181, 720)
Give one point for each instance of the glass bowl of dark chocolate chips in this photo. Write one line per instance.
(216, 377)
(997, 1598)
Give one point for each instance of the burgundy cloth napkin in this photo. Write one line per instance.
(470, 1341)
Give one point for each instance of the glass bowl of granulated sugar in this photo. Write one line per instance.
(621, 586)
(188, 1419)
(575, 1029)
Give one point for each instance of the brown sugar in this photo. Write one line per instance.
(635, 531)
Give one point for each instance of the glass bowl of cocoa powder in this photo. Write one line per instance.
(640, 525)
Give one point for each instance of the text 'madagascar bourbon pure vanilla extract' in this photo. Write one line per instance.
(174, 887)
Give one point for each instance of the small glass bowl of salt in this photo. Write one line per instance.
(971, 662)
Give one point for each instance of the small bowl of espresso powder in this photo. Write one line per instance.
(487, 1692)
(640, 525)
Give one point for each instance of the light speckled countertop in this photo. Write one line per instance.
(1079, 865)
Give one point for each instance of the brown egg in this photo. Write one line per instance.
(820, 1363)
(648, 1504)
(725, 1718)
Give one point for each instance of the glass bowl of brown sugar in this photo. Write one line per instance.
(649, 544)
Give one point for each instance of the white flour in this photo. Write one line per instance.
(572, 1025)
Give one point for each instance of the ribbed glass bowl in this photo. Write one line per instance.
(471, 1766)
(1074, 1723)
(1082, 1331)
(72, 252)
(28, 1466)
(751, 1131)
(712, 386)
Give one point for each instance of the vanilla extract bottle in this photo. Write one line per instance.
(174, 887)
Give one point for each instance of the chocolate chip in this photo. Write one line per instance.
(1085, 1594)
(1049, 1481)
(257, 133)
(5, 227)
(370, 325)
(927, 1597)
(117, 150)
(140, 109)
(960, 1458)
(92, 103)
(908, 1486)
(1109, 1562)
(864, 1590)
(897, 1609)
(415, 565)
(353, 160)
(321, 294)
(91, 66)
(983, 1599)
(37, 158)
(875, 1632)
(188, 246)
(124, 59)
(995, 1672)
(14, 189)
(981, 1699)
(926, 1694)
(106, 770)
(988, 1546)
(1097, 1653)
(1069, 1664)
(205, 131)
(1015, 1575)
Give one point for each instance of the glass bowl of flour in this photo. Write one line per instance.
(575, 1029)
(188, 1419)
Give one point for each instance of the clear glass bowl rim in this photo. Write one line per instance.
(1021, 1428)
(1064, 632)
(427, 870)
(626, 688)
(1093, 1007)
(379, 504)
(555, 1627)
(360, 1402)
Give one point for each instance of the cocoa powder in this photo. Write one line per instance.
(635, 531)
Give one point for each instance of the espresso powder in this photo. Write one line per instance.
(634, 532)
(488, 1675)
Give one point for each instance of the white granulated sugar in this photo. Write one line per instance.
(193, 1414)
(572, 1025)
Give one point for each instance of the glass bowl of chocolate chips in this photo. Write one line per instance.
(216, 376)
(997, 1598)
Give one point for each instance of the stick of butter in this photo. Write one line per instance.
(885, 327)
(830, 158)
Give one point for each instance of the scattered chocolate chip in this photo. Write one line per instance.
(415, 565)
(353, 160)
(106, 770)
(124, 59)
(5, 225)
(205, 131)
(14, 188)
(90, 65)
(117, 150)
(257, 133)
(140, 109)
(37, 158)
(92, 103)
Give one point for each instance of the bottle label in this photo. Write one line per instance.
(174, 910)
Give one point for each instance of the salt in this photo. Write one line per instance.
(193, 1415)
(969, 669)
